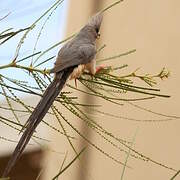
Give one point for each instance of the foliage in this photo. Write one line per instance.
(108, 85)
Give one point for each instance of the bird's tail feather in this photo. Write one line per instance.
(37, 115)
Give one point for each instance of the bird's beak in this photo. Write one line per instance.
(98, 35)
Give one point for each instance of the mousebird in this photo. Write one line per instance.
(73, 58)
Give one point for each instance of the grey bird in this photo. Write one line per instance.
(73, 58)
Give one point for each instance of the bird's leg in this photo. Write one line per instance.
(77, 73)
(92, 68)
(75, 81)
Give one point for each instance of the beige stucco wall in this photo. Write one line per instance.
(151, 27)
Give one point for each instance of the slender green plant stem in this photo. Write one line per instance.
(178, 172)
(77, 156)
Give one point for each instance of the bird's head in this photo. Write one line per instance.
(95, 22)
(90, 32)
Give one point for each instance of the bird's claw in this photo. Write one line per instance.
(100, 67)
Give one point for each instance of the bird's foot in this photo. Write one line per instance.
(100, 67)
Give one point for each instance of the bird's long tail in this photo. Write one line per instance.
(37, 115)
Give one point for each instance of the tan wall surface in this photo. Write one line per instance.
(153, 28)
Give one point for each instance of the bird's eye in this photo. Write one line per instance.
(97, 30)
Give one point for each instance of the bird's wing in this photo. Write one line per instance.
(74, 56)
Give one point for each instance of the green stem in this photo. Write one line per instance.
(28, 68)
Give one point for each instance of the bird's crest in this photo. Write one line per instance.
(96, 20)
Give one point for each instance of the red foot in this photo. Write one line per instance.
(99, 68)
